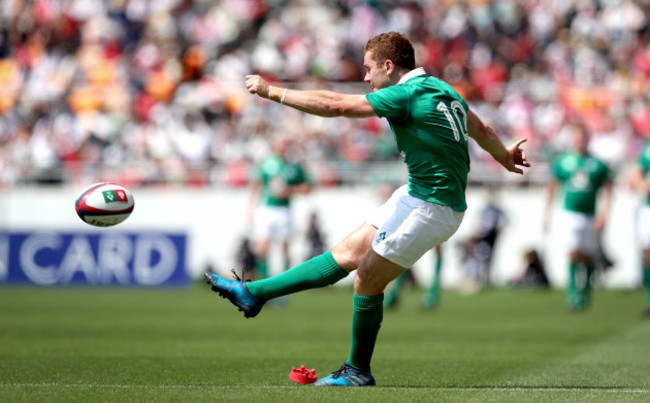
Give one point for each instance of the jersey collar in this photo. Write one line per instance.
(411, 74)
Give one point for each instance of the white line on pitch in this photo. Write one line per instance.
(461, 388)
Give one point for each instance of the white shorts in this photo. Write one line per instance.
(272, 222)
(643, 226)
(408, 227)
(581, 234)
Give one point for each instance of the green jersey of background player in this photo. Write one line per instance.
(275, 174)
(431, 123)
(581, 177)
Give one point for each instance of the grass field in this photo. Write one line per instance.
(169, 345)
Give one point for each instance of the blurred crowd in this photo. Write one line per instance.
(151, 91)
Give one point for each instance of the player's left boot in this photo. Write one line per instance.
(347, 376)
(237, 293)
(429, 302)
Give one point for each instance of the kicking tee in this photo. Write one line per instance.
(581, 176)
(276, 174)
(429, 122)
(644, 163)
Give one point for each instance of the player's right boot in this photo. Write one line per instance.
(237, 293)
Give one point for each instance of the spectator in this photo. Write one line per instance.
(534, 273)
(478, 250)
(315, 237)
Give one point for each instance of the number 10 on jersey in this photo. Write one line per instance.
(457, 118)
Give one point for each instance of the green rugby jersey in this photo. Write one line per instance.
(276, 174)
(429, 121)
(644, 163)
(581, 176)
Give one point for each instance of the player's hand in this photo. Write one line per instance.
(257, 85)
(517, 157)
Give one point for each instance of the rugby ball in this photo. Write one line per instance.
(104, 204)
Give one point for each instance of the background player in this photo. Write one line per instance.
(275, 181)
(639, 182)
(581, 176)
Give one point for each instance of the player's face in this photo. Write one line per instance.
(376, 74)
(280, 145)
(580, 140)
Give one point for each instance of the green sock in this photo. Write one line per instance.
(317, 272)
(646, 283)
(431, 296)
(366, 321)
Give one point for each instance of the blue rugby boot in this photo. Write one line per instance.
(347, 376)
(237, 293)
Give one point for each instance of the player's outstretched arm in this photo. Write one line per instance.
(315, 102)
(511, 157)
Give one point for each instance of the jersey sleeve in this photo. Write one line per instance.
(607, 174)
(390, 102)
(299, 176)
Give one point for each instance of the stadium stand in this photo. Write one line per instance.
(151, 92)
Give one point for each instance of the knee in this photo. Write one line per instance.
(370, 281)
(262, 249)
(364, 282)
(348, 258)
(580, 257)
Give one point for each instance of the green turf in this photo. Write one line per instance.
(190, 345)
